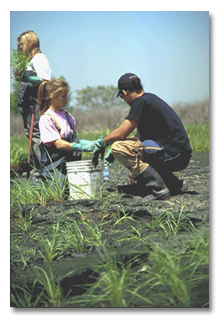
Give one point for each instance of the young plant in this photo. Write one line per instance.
(23, 223)
(170, 223)
(167, 271)
(121, 219)
(94, 234)
(176, 279)
(23, 297)
(25, 192)
(22, 256)
(53, 290)
(110, 288)
(18, 63)
(52, 247)
(73, 237)
(16, 152)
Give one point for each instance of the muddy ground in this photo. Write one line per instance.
(194, 198)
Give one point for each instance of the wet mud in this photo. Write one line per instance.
(76, 272)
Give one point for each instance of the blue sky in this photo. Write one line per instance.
(168, 50)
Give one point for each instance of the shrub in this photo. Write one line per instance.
(193, 113)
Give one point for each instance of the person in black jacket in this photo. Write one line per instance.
(161, 146)
(38, 69)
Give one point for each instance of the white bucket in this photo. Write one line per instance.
(84, 179)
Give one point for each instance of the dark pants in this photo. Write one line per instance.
(53, 162)
(160, 159)
(26, 92)
(26, 115)
(137, 156)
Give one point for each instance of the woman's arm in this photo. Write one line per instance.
(63, 145)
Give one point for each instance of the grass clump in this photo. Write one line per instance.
(18, 149)
(74, 238)
(52, 291)
(52, 246)
(170, 224)
(111, 286)
(183, 274)
(23, 192)
(165, 279)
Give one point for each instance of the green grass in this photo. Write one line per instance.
(198, 135)
(18, 147)
(23, 192)
(171, 275)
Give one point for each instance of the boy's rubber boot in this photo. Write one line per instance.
(172, 182)
(153, 182)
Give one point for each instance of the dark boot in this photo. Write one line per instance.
(151, 180)
(172, 182)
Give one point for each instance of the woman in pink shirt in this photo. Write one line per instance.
(59, 141)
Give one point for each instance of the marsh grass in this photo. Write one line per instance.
(74, 238)
(180, 274)
(23, 223)
(113, 282)
(27, 191)
(17, 150)
(25, 297)
(166, 279)
(110, 288)
(169, 275)
(94, 234)
(52, 246)
(198, 135)
(52, 289)
(170, 223)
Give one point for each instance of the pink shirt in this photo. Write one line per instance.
(48, 130)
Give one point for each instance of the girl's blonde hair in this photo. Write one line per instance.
(31, 43)
(47, 90)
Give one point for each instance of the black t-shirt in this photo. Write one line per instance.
(157, 121)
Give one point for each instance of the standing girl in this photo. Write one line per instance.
(59, 141)
(38, 69)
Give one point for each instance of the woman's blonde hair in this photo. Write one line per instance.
(31, 43)
(47, 90)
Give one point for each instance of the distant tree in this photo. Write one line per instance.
(98, 97)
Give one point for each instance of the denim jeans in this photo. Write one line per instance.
(158, 158)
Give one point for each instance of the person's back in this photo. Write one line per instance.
(157, 121)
